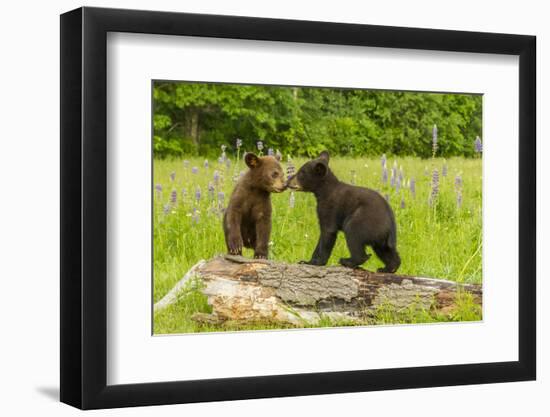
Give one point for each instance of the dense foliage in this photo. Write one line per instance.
(195, 118)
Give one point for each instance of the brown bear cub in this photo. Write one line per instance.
(247, 220)
(362, 214)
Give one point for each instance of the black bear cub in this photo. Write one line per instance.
(362, 214)
(247, 220)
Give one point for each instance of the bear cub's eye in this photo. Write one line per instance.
(275, 174)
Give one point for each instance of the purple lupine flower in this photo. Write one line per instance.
(458, 182)
(478, 145)
(401, 177)
(444, 169)
(198, 195)
(402, 205)
(174, 197)
(290, 169)
(397, 184)
(195, 170)
(211, 190)
(172, 176)
(412, 187)
(353, 176)
(458, 190)
(434, 140)
(270, 151)
(392, 180)
(238, 143)
(220, 160)
(435, 187)
(393, 174)
(206, 164)
(291, 200)
(221, 199)
(383, 160)
(260, 145)
(158, 189)
(216, 177)
(166, 209)
(195, 216)
(384, 175)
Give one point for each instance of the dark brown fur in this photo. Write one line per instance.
(247, 220)
(362, 214)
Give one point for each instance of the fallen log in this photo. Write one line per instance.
(246, 290)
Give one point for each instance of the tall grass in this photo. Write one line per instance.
(437, 236)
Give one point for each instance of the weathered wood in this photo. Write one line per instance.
(245, 290)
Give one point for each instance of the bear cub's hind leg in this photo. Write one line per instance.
(357, 250)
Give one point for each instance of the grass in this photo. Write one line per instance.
(439, 240)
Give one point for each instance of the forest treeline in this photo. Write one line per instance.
(197, 118)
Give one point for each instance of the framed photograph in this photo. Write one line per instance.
(255, 208)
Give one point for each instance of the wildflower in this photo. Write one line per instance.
(228, 163)
(220, 160)
(392, 180)
(290, 169)
(158, 189)
(292, 200)
(186, 163)
(166, 209)
(383, 160)
(435, 187)
(278, 155)
(478, 145)
(270, 152)
(223, 147)
(198, 195)
(174, 197)
(444, 169)
(183, 193)
(459, 199)
(172, 176)
(384, 175)
(401, 174)
(216, 177)
(195, 216)
(238, 143)
(260, 145)
(412, 187)
(434, 140)
(397, 184)
(211, 190)
(195, 170)
(206, 163)
(221, 198)
(458, 182)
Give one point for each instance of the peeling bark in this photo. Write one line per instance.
(247, 290)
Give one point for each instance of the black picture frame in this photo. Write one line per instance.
(84, 207)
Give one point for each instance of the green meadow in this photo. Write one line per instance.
(437, 204)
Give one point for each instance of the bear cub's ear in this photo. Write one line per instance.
(251, 160)
(320, 168)
(324, 155)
